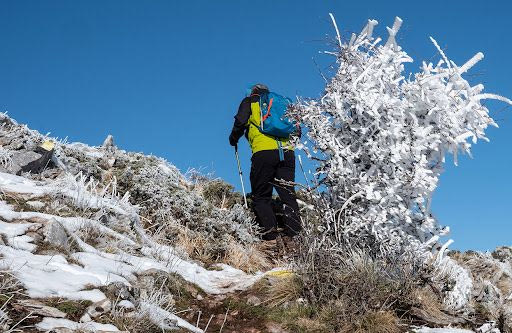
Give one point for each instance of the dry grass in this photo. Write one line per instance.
(89, 234)
(130, 321)
(426, 300)
(250, 258)
(355, 292)
(374, 322)
(283, 290)
(46, 248)
(139, 320)
(359, 279)
(195, 246)
(10, 290)
(312, 325)
(505, 285)
(9, 285)
(216, 191)
(338, 316)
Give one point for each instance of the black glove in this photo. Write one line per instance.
(232, 140)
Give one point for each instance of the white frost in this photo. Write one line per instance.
(440, 330)
(49, 323)
(46, 276)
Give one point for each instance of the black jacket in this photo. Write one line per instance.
(241, 119)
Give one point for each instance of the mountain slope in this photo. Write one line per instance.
(97, 239)
(68, 233)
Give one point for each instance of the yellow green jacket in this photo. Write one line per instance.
(247, 121)
(257, 140)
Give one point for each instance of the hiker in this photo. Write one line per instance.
(273, 159)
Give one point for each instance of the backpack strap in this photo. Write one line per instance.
(267, 114)
(280, 149)
(268, 109)
(259, 102)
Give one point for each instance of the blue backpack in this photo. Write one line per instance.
(273, 121)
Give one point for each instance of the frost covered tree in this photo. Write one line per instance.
(380, 138)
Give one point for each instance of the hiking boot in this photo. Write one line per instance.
(272, 249)
(270, 246)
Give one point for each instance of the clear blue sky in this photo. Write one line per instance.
(166, 77)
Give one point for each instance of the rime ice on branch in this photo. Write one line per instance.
(382, 139)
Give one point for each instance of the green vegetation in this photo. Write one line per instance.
(73, 309)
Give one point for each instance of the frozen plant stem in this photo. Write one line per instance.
(379, 139)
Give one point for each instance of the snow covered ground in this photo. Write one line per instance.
(46, 276)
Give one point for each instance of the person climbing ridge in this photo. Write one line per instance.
(261, 117)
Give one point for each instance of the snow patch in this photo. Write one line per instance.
(49, 324)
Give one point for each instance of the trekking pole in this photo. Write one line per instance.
(302, 168)
(240, 173)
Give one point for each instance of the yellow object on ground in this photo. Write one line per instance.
(280, 273)
(48, 145)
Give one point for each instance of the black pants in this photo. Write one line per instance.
(266, 171)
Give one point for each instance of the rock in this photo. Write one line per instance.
(99, 308)
(38, 308)
(55, 234)
(126, 304)
(109, 142)
(199, 297)
(85, 318)
(21, 159)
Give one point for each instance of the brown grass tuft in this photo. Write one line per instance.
(283, 290)
(195, 246)
(374, 322)
(249, 258)
(312, 325)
